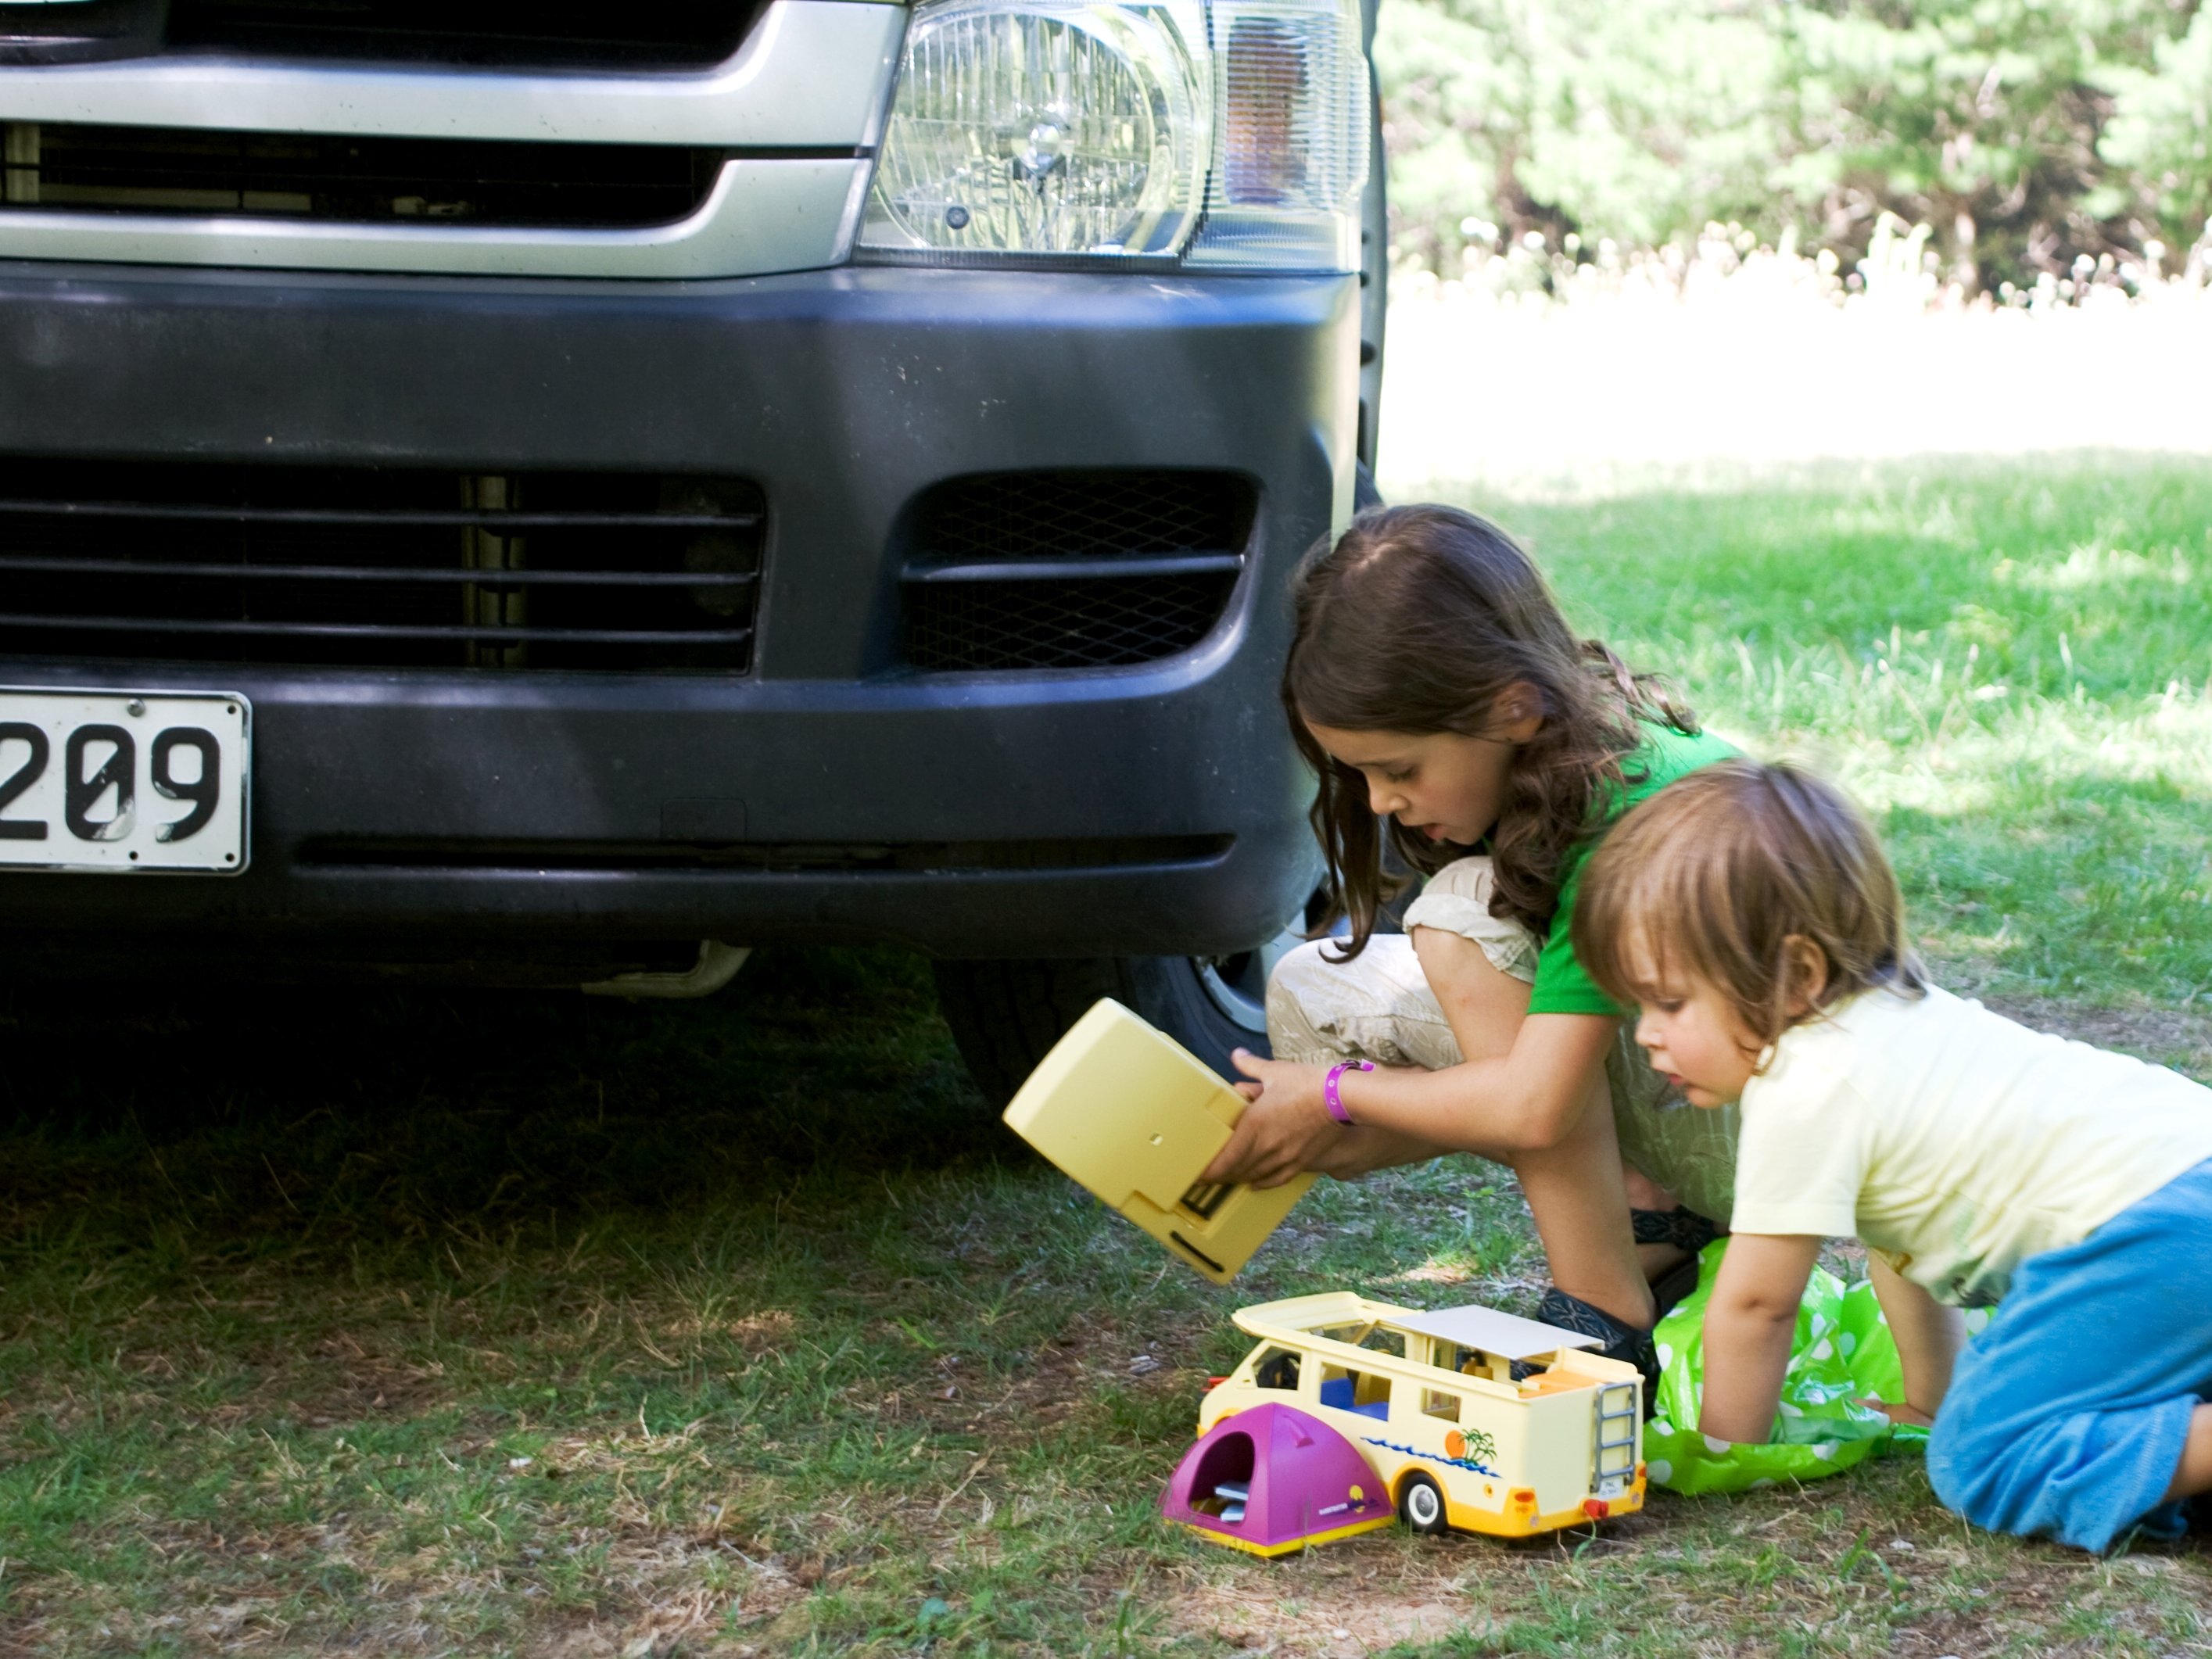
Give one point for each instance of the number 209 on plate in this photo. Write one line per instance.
(123, 780)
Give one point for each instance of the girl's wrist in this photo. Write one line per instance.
(1332, 1096)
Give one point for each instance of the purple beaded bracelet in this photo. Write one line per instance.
(1330, 1098)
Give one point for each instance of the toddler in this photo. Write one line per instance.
(1750, 914)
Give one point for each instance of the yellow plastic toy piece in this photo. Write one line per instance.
(1134, 1116)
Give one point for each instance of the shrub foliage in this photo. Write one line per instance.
(2028, 135)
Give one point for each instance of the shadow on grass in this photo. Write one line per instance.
(548, 1322)
(362, 1119)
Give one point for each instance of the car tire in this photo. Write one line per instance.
(1421, 1505)
(1006, 1016)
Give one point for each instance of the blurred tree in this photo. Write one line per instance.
(1979, 118)
(2160, 137)
(2026, 133)
(1627, 119)
(1458, 110)
(1652, 117)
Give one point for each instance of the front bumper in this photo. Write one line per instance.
(829, 795)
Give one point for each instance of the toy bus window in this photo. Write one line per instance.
(1350, 1334)
(1379, 1340)
(1436, 1404)
(1367, 1393)
(1278, 1368)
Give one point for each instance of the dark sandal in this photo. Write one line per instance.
(1621, 1340)
(1683, 1228)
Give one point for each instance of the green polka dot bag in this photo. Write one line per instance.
(1841, 1353)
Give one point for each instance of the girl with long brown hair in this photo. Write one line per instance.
(1443, 703)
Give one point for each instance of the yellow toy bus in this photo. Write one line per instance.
(1470, 1417)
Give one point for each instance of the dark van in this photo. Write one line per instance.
(565, 494)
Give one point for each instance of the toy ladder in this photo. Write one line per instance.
(1616, 1436)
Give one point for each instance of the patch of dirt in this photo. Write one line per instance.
(686, 1622)
(1328, 1615)
(1868, 1557)
(760, 1332)
(338, 1379)
(2179, 1037)
(1060, 1377)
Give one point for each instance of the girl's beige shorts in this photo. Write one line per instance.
(1378, 1006)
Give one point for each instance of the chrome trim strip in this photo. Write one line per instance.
(760, 216)
(812, 74)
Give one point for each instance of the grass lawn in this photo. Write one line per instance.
(402, 1323)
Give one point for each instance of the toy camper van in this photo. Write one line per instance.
(1134, 1116)
(1468, 1418)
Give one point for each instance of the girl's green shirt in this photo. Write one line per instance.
(1562, 986)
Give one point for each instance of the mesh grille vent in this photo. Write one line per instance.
(1073, 570)
(1099, 623)
(1079, 515)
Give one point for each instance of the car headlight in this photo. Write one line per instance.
(1222, 133)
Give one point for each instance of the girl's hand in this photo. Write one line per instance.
(1284, 1130)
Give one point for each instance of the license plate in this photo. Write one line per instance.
(124, 781)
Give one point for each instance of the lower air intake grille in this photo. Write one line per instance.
(378, 568)
(1072, 569)
(352, 179)
(1082, 515)
(1100, 623)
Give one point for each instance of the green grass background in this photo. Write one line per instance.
(346, 1320)
(2008, 663)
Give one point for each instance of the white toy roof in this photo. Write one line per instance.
(1507, 1335)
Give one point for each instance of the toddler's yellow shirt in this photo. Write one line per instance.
(1954, 1141)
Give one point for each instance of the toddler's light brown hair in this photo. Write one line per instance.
(1716, 874)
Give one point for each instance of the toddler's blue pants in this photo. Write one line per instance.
(2066, 1417)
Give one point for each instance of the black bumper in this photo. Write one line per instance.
(829, 795)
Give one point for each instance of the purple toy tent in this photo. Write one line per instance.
(1273, 1480)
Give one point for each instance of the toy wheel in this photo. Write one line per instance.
(1422, 1504)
